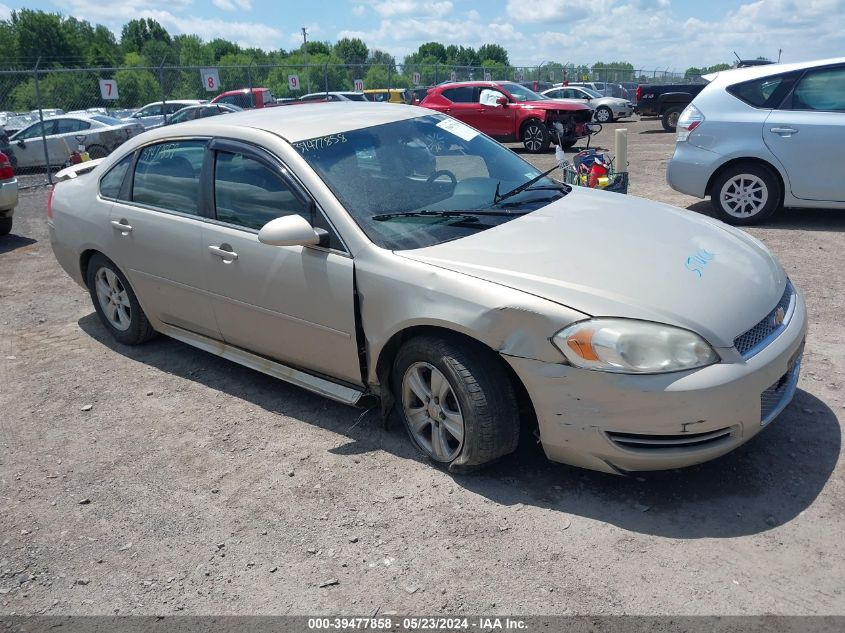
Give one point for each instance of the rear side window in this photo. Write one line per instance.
(112, 182)
(821, 90)
(463, 94)
(167, 176)
(766, 92)
(250, 194)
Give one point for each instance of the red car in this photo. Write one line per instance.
(261, 98)
(509, 112)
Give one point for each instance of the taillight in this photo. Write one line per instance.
(639, 92)
(6, 170)
(689, 120)
(50, 203)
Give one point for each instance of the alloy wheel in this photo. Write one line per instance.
(744, 196)
(603, 115)
(113, 299)
(533, 138)
(432, 411)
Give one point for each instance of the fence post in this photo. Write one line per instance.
(41, 118)
(436, 68)
(161, 86)
(249, 82)
(326, 76)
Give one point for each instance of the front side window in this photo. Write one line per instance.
(248, 193)
(489, 97)
(423, 181)
(821, 90)
(112, 182)
(167, 176)
(67, 126)
(37, 130)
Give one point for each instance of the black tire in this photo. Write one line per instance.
(97, 151)
(669, 120)
(139, 330)
(482, 389)
(762, 174)
(6, 225)
(535, 137)
(604, 114)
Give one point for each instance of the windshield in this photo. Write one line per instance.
(593, 93)
(521, 93)
(387, 175)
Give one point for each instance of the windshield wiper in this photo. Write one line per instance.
(497, 197)
(470, 215)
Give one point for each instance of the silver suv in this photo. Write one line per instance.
(759, 138)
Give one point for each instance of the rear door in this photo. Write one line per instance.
(157, 234)
(807, 135)
(463, 104)
(294, 304)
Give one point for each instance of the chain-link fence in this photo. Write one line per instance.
(39, 144)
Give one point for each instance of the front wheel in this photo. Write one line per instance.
(745, 193)
(604, 115)
(455, 401)
(536, 137)
(116, 303)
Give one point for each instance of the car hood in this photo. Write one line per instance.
(608, 254)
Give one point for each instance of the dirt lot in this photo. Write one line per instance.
(163, 480)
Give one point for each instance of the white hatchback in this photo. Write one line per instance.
(759, 138)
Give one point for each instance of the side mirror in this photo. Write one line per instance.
(502, 101)
(21, 143)
(292, 230)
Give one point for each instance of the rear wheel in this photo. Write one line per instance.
(536, 137)
(604, 115)
(455, 401)
(116, 303)
(745, 193)
(5, 225)
(670, 118)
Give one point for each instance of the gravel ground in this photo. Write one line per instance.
(162, 479)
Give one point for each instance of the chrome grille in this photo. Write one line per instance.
(752, 341)
(639, 441)
(774, 399)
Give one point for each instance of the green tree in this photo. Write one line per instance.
(136, 87)
(351, 51)
(494, 53)
(432, 50)
(40, 34)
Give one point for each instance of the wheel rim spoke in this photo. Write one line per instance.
(454, 424)
(417, 384)
(418, 418)
(438, 443)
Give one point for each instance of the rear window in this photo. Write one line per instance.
(766, 92)
(102, 118)
(463, 94)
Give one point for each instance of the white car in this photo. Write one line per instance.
(334, 96)
(759, 138)
(99, 134)
(330, 246)
(153, 114)
(607, 109)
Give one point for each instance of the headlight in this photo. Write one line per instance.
(627, 346)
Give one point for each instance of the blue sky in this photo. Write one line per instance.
(651, 34)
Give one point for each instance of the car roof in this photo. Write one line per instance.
(735, 75)
(309, 120)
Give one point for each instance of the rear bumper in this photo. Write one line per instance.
(617, 423)
(690, 169)
(8, 197)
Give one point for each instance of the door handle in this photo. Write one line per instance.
(121, 226)
(783, 131)
(222, 253)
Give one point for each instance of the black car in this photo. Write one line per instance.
(666, 101)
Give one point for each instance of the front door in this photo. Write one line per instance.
(808, 133)
(492, 117)
(157, 235)
(294, 304)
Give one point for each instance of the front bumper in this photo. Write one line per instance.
(8, 197)
(616, 422)
(690, 169)
(621, 113)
